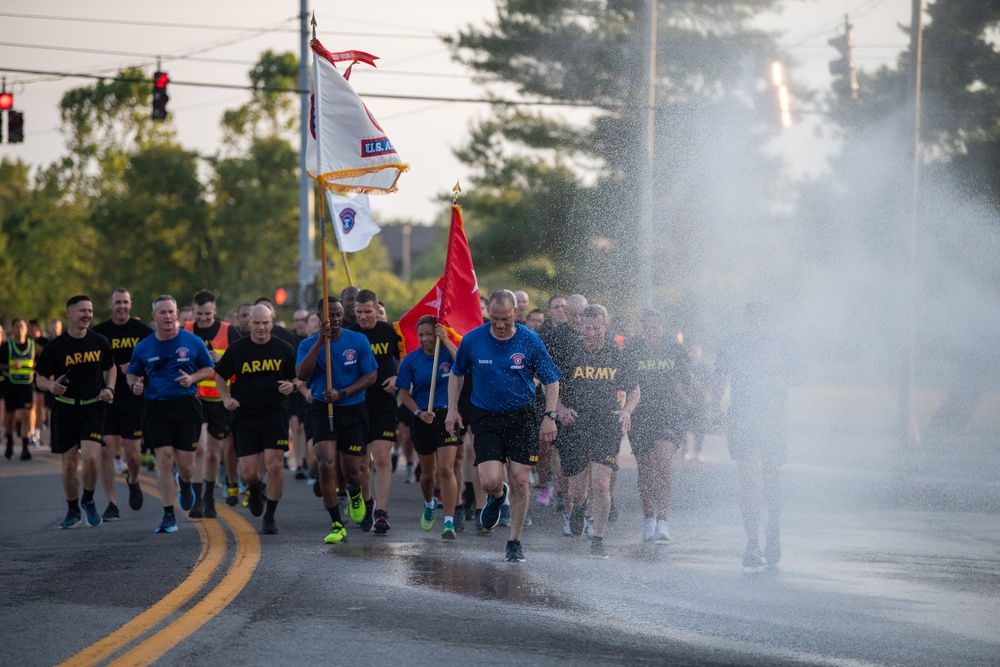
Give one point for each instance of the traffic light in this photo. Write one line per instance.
(281, 296)
(15, 127)
(160, 97)
(845, 82)
(6, 101)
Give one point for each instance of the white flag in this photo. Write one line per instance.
(345, 147)
(352, 221)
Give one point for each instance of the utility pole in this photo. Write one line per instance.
(910, 435)
(307, 260)
(646, 215)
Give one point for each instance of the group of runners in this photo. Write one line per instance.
(480, 416)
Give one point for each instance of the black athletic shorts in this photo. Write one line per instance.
(217, 418)
(175, 423)
(124, 417)
(588, 441)
(297, 406)
(253, 434)
(72, 424)
(18, 396)
(650, 426)
(382, 418)
(404, 416)
(503, 436)
(350, 427)
(428, 438)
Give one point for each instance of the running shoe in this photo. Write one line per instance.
(459, 520)
(449, 531)
(772, 548)
(576, 521)
(662, 535)
(209, 510)
(185, 499)
(560, 502)
(490, 515)
(515, 554)
(543, 496)
(90, 509)
(168, 524)
(111, 513)
(588, 526)
(597, 549)
(567, 529)
(149, 461)
(337, 534)
(505, 515)
(427, 517)
(532, 478)
(255, 502)
(10, 450)
(314, 482)
(752, 557)
(25, 454)
(197, 510)
(649, 529)
(72, 520)
(394, 458)
(480, 528)
(135, 497)
(369, 520)
(301, 473)
(269, 526)
(119, 465)
(358, 509)
(527, 520)
(381, 526)
(232, 494)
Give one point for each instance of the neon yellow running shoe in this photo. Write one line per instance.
(427, 518)
(357, 508)
(337, 534)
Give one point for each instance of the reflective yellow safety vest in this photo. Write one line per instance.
(22, 362)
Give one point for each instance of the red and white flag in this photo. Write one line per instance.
(454, 300)
(346, 149)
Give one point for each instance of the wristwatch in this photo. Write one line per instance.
(416, 413)
(553, 415)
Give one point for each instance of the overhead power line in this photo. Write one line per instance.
(384, 96)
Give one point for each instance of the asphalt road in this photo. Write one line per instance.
(889, 559)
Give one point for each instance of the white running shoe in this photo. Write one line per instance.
(588, 526)
(566, 530)
(649, 529)
(662, 535)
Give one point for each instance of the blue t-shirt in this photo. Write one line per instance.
(503, 371)
(351, 357)
(163, 361)
(414, 375)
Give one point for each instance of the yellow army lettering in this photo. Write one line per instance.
(83, 357)
(123, 343)
(261, 366)
(96, 437)
(380, 348)
(610, 460)
(657, 365)
(533, 459)
(282, 443)
(354, 448)
(591, 373)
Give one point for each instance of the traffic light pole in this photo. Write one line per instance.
(307, 261)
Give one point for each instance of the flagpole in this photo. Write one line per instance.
(437, 341)
(322, 224)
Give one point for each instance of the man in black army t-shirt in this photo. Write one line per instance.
(79, 370)
(264, 371)
(123, 423)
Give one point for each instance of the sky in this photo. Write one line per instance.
(217, 42)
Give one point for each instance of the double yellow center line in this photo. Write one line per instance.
(211, 602)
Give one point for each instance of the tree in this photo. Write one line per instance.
(569, 189)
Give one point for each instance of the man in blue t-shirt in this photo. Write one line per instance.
(166, 369)
(504, 358)
(344, 429)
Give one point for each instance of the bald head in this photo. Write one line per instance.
(575, 304)
(261, 323)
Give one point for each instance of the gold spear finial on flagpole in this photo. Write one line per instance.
(313, 22)
(457, 190)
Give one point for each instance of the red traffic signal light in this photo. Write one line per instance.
(6, 101)
(280, 296)
(160, 97)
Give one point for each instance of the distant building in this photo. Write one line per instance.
(406, 244)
